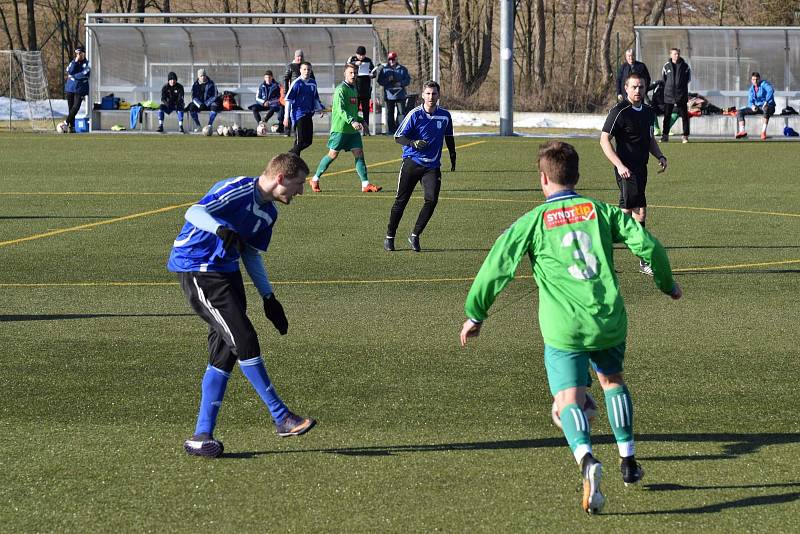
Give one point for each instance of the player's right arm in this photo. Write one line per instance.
(626, 229)
(499, 267)
(611, 155)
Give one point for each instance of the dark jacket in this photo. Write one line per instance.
(676, 78)
(292, 72)
(78, 77)
(269, 95)
(204, 93)
(394, 81)
(172, 96)
(363, 81)
(626, 70)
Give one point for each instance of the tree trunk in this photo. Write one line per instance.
(541, 43)
(605, 43)
(17, 24)
(574, 37)
(656, 13)
(587, 56)
(553, 23)
(31, 12)
(6, 29)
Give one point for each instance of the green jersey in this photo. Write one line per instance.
(344, 109)
(569, 240)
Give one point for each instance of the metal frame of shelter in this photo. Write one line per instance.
(144, 21)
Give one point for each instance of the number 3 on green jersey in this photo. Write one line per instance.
(583, 254)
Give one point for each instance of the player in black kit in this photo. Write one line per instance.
(630, 123)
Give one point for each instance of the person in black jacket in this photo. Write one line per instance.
(364, 74)
(171, 100)
(631, 66)
(677, 75)
(292, 72)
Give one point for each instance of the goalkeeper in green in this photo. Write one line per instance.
(569, 240)
(346, 128)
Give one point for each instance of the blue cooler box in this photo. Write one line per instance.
(81, 124)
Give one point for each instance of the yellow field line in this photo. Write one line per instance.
(363, 282)
(735, 266)
(92, 225)
(87, 193)
(396, 160)
(729, 210)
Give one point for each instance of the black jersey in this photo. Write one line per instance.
(632, 130)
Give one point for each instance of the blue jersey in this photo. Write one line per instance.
(418, 124)
(303, 98)
(232, 202)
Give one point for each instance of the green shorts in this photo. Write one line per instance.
(346, 142)
(570, 369)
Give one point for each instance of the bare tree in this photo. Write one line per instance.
(541, 42)
(605, 43)
(587, 55)
(523, 34)
(656, 13)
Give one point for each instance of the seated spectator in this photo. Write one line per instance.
(204, 98)
(268, 99)
(171, 100)
(760, 101)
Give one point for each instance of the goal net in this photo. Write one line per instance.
(24, 99)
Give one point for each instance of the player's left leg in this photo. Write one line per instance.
(214, 109)
(409, 175)
(325, 162)
(568, 378)
(683, 110)
(431, 184)
(608, 364)
(768, 111)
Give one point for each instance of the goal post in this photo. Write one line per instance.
(132, 53)
(23, 85)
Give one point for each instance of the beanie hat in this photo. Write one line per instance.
(172, 76)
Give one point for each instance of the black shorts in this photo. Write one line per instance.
(631, 191)
(219, 299)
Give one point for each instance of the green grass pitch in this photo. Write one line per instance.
(101, 358)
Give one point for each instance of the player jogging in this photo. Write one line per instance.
(582, 318)
(630, 123)
(346, 130)
(423, 133)
(302, 101)
(234, 221)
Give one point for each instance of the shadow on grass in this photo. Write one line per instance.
(729, 247)
(761, 500)
(735, 271)
(734, 445)
(63, 316)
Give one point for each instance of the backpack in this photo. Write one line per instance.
(229, 101)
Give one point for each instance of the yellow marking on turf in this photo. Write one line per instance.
(94, 224)
(390, 161)
(365, 282)
(88, 193)
(728, 210)
(735, 266)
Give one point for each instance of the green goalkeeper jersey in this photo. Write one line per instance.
(569, 240)
(344, 109)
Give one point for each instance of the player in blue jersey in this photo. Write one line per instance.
(302, 101)
(234, 221)
(423, 133)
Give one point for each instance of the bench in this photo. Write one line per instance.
(726, 125)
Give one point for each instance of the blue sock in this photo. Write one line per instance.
(180, 116)
(213, 390)
(211, 117)
(195, 118)
(160, 116)
(256, 373)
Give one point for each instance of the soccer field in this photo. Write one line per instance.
(102, 358)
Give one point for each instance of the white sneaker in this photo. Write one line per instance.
(685, 139)
(593, 499)
(645, 268)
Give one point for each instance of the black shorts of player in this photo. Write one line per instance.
(410, 174)
(219, 299)
(631, 191)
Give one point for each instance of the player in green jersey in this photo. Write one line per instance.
(346, 128)
(569, 240)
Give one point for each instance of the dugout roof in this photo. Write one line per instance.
(132, 59)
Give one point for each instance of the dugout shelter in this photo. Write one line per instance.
(131, 54)
(722, 58)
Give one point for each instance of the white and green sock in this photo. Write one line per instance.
(620, 415)
(576, 430)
